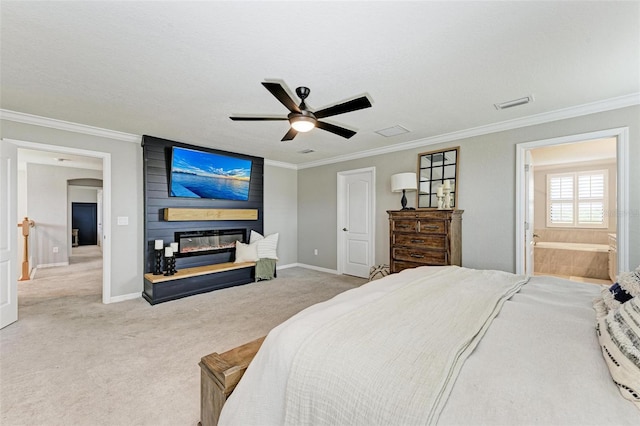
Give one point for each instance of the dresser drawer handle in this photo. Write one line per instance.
(417, 241)
(403, 226)
(432, 227)
(417, 256)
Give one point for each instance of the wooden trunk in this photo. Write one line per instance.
(219, 375)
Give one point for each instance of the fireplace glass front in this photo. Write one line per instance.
(195, 243)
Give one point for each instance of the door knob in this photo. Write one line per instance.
(345, 229)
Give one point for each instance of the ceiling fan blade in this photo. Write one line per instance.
(340, 131)
(290, 135)
(278, 91)
(352, 105)
(258, 118)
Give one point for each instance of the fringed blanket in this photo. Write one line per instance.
(394, 360)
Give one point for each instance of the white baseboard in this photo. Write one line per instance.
(51, 265)
(130, 296)
(290, 265)
(315, 268)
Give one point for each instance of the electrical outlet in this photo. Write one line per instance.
(315, 252)
(55, 249)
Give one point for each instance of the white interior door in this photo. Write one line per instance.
(8, 234)
(529, 209)
(356, 222)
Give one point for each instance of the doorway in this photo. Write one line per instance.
(525, 207)
(574, 189)
(84, 219)
(105, 199)
(356, 221)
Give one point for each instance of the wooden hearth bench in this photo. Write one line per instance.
(199, 279)
(219, 375)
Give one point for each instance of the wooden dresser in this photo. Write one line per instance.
(424, 237)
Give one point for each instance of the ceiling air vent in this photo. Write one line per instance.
(392, 131)
(514, 103)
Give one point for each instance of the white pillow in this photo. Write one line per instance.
(254, 237)
(267, 246)
(246, 252)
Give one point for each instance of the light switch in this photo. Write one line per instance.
(123, 220)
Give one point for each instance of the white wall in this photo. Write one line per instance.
(22, 212)
(281, 210)
(83, 194)
(126, 196)
(486, 192)
(22, 193)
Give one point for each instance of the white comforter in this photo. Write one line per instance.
(539, 362)
(379, 356)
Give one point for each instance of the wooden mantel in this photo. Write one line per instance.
(181, 214)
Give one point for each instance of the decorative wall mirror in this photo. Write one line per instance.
(435, 170)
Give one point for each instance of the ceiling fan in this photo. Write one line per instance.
(302, 119)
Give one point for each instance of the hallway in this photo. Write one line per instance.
(82, 278)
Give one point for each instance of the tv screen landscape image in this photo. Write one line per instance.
(200, 174)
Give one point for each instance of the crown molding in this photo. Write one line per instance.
(561, 114)
(281, 164)
(21, 117)
(546, 117)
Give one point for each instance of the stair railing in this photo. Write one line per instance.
(26, 226)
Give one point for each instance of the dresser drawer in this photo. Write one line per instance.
(424, 257)
(404, 225)
(421, 226)
(399, 265)
(420, 240)
(432, 227)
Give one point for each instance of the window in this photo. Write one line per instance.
(577, 200)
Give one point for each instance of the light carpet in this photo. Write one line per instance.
(71, 360)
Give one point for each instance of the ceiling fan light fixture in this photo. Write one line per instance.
(301, 119)
(302, 124)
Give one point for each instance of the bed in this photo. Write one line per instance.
(437, 345)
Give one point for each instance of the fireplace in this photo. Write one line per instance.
(196, 243)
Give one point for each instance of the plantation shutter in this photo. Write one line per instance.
(577, 199)
(561, 199)
(591, 194)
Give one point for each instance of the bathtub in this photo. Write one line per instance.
(598, 248)
(572, 259)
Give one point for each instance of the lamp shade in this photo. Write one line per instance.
(403, 181)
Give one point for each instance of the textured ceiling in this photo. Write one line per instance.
(178, 70)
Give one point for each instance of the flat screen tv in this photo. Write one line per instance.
(200, 174)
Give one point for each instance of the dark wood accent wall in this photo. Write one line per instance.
(157, 169)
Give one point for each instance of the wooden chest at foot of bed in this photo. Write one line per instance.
(219, 375)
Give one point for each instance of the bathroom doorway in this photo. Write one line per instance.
(574, 193)
(570, 160)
